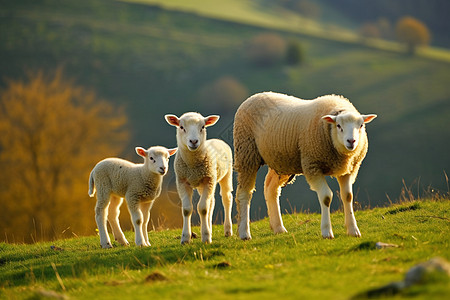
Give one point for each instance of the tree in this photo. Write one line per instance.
(52, 133)
(294, 53)
(224, 94)
(266, 49)
(413, 33)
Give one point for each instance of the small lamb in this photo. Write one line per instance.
(317, 138)
(140, 184)
(201, 164)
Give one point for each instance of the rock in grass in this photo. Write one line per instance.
(427, 272)
(155, 276)
(381, 245)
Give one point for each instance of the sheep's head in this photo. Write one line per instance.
(191, 129)
(348, 127)
(156, 158)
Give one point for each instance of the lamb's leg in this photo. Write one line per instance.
(185, 192)
(204, 205)
(325, 195)
(137, 218)
(101, 214)
(272, 190)
(245, 188)
(226, 187)
(113, 219)
(345, 186)
(145, 208)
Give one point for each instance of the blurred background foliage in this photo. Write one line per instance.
(84, 80)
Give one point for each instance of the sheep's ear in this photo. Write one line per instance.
(141, 151)
(172, 151)
(172, 120)
(368, 118)
(211, 120)
(329, 119)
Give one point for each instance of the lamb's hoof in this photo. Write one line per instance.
(106, 246)
(185, 239)
(206, 238)
(279, 229)
(228, 233)
(328, 235)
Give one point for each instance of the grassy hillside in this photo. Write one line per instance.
(299, 264)
(156, 59)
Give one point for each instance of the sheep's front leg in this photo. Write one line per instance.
(325, 195)
(245, 188)
(272, 190)
(101, 214)
(185, 192)
(226, 187)
(345, 185)
(145, 208)
(204, 206)
(113, 219)
(137, 218)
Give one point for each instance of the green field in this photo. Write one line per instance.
(298, 264)
(156, 58)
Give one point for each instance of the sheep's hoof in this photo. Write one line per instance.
(106, 246)
(279, 230)
(186, 242)
(354, 232)
(228, 233)
(329, 236)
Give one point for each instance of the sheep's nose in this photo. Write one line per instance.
(193, 142)
(351, 141)
(162, 170)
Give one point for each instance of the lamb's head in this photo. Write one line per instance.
(191, 129)
(156, 158)
(347, 128)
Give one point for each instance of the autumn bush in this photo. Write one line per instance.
(52, 132)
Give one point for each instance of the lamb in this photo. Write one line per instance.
(140, 184)
(317, 138)
(201, 164)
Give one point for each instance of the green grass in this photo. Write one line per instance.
(299, 264)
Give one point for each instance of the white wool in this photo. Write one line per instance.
(140, 184)
(200, 164)
(317, 138)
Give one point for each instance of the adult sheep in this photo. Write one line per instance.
(140, 184)
(201, 164)
(317, 138)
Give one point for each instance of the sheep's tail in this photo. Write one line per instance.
(91, 191)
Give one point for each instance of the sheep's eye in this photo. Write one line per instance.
(361, 125)
(338, 126)
(203, 127)
(181, 127)
(151, 158)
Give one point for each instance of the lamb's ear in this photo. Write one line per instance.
(211, 120)
(172, 151)
(141, 152)
(329, 119)
(368, 118)
(172, 120)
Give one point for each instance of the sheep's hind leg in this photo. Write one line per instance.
(226, 187)
(345, 186)
(185, 192)
(246, 186)
(113, 219)
(272, 190)
(101, 214)
(320, 186)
